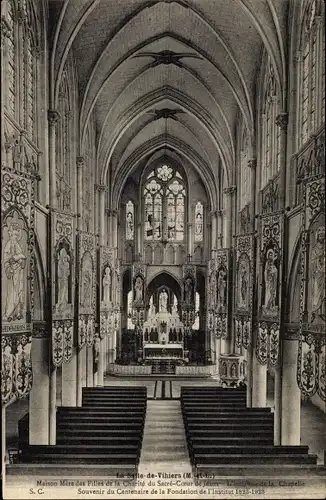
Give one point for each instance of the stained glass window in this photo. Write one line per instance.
(164, 199)
(153, 210)
(199, 219)
(270, 133)
(165, 173)
(312, 49)
(130, 220)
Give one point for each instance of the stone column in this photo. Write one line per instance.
(217, 353)
(80, 369)
(115, 232)
(53, 404)
(229, 192)
(291, 396)
(102, 208)
(229, 216)
(277, 404)
(282, 122)
(3, 444)
(214, 231)
(190, 242)
(259, 383)
(249, 376)
(69, 381)
(79, 352)
(53, 118)
(220, 228)
(39, 396)
(90, 367)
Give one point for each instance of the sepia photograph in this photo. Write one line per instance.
(163, 306)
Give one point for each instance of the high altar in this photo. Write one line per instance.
(163, 337)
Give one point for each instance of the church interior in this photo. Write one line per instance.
(163, 242)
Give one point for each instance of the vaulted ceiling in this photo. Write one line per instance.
(178, 74)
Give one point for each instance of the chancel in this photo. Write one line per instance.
(163, 241)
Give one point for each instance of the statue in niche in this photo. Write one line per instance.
(221, 288)
(163, 301)
(175, 306)
(188, 291)
(233, 370)
(87, 288)
(270, 278)
(212, 291)
(198, 227)
(138, 289)
(14, 262)
(151, 311)
(106, 283)
(318, 275)
(63, 279)
(243, 284)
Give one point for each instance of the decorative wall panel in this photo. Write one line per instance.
(138, 286)
(62, 234)
(188, 295)
(17, 232)
(311, 371)
(211, 296)
(244, 278)
(270, 279)
(86, 274)
(107, 291)
(222, 267)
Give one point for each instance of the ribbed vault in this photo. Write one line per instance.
(177, 74)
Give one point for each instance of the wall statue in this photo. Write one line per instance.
(138, 293)
(163, 301)
(14, 261)
(63, 279)
(106, 283)
(221, 288)
(270, 279)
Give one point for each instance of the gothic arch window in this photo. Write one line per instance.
(21, 65)
(270, 132)
(63, 169)
(87, 179)
(164, 195)
(312, 72)
(199, 222)
(130, 220)
(197, 311)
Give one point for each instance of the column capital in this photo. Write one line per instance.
(252, 164)
(114, 213)
(282, 121)
(213, 213)
(230, 190)
(80, 161)
(221, 212)
(100, 187)
(53, 116)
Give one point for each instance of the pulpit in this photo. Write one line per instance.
(231, 369)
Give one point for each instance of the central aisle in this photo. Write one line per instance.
(164, 443)
(164, 460)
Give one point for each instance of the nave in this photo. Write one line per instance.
(163, 225)
(175, 431)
